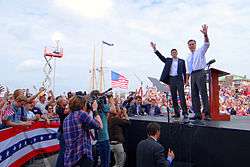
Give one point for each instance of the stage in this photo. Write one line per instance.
(199, 144)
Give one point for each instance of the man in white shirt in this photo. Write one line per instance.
(174, 75)
(196, 63)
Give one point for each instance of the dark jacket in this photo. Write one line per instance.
(150, 153)
(157, 110)
(62, 116)
(116, 128)
(181, 71)
(132, 110)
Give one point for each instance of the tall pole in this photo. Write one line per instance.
(101, 70)
(93, 76)
(102, 81)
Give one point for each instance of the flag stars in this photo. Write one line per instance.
(23, 143)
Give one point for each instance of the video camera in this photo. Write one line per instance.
(100, 98)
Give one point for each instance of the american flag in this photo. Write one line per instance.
(118, 81)
(8, 111)
(4, 113)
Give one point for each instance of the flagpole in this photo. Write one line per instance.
(101, 78)
(93, 78)
(101, 70)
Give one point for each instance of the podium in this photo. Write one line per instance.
(214, 89)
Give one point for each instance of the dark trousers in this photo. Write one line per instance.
(103, 148)
(176, 85)
(84, 162)
(95, 155)
(199, 87)
(60, 157)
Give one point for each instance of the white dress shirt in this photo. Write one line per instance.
(174, 67)
(197, 59)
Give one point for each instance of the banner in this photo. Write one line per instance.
(20, 144)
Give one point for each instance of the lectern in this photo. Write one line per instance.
(214, 89)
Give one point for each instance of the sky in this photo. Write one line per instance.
(28, 26)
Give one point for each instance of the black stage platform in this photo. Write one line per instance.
(199, 144)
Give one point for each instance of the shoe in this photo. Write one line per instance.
(196, 117)
(207, 118)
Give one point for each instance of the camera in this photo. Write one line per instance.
(100, 98)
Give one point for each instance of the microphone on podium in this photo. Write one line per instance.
(211, 62)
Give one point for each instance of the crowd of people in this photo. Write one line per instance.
(91, 125)
(97, 119)
(20, 108)
(234, 101)
(42, 106)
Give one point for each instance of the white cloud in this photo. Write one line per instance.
(30, 65)
(130, 24)
(87, 8)
(117, 64)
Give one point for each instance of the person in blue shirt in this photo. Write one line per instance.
(196, 63)
(19, 116)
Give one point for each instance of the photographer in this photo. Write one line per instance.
(103, 146)
(76, 133)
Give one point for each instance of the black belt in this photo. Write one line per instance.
(177, 76)
(196, 71)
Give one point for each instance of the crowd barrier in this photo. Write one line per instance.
(20, 144)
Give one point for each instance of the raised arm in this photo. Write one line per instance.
(204, 32)
(161, 57)
(35, 96)
(206, 44)
(88, 121)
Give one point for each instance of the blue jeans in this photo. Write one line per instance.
(60, 158)
(103, 148)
